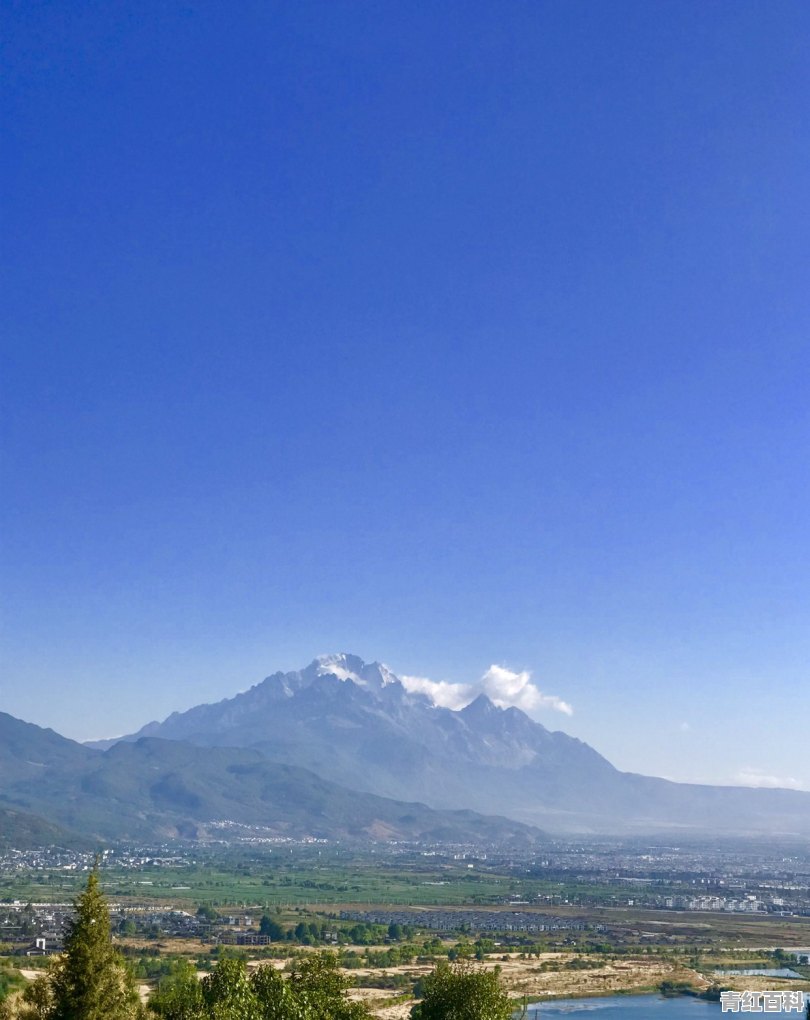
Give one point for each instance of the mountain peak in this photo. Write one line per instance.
(343, 665)
(481, 706)
(346, 666)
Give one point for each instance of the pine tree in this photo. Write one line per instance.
(91, 981)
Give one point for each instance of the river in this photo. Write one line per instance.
(638, 1007)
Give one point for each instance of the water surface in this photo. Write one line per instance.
(638, 1007)
(781, 972)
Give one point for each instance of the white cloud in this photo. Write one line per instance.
(501, 685)
(441, 693)
(748, 776)
(506, 688)
(684, 727)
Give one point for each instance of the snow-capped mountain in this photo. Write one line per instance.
(357, 724)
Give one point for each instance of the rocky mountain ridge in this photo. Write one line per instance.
(357, 724)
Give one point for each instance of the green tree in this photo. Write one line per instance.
(227, 993)
(179, 996)
(276, 996)
(271, 928)
(461, 991)
(90, 981)
(318, 985)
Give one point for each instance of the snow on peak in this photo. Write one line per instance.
(351, 667)
(386, 675)
(341, 665)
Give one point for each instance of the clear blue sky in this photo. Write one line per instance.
(450, 333)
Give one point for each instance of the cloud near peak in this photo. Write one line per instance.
(503, 687)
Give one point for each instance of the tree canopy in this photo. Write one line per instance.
(315, 990)
(462, 991)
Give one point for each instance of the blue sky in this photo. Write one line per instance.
(451, 334)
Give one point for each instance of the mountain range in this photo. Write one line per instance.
(54, 790)
(357, 724)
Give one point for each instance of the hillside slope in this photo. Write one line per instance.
(154, 788)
